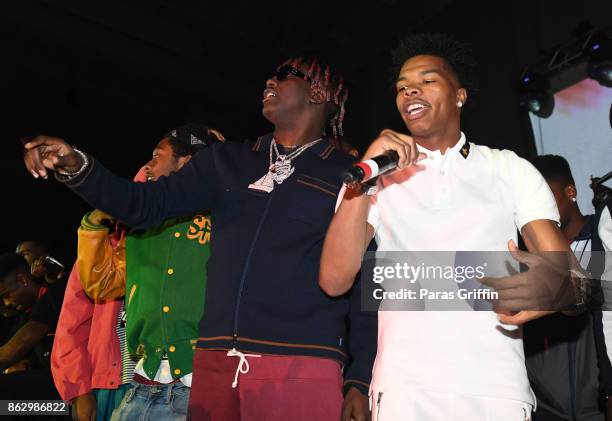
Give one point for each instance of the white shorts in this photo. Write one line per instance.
(405, 403)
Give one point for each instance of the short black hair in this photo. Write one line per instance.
(554, 168)
(458, 55)
(12, 262)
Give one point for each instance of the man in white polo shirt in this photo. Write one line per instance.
(446, 194)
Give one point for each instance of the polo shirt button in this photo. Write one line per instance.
(170, 271)
(157, 349)
(171, 348)
(166, 309)
(112, 383)
(177, 234)
(177, 371)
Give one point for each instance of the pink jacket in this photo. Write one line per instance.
(84, 358)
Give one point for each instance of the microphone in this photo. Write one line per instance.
(370, 168)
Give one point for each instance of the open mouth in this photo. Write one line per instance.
(268, 94)
(416, 110)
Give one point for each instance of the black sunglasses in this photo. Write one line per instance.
(285, 70)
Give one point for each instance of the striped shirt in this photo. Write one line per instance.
(128, 363)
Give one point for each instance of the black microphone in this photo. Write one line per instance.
(370, 168)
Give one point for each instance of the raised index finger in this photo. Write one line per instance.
(35, 142)
(41, 140)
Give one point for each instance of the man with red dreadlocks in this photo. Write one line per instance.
(272, 345)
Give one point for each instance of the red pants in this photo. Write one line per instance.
(276, 388)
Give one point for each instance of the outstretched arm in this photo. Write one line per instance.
(138, 205)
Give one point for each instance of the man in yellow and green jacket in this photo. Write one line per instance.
(161, 272)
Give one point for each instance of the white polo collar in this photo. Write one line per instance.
(457, 150)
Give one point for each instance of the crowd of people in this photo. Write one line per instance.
(222, 282)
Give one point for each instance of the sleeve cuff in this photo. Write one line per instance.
(77, 180)
(363, 387)
(525, 219)
(88, 226)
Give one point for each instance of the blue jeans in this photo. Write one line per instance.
(153, 402)
(107, 400)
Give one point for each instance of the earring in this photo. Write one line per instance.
(459, 104)
(573, 199)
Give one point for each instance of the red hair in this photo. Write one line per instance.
(324, 77)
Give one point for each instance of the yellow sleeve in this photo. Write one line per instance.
(101, 267)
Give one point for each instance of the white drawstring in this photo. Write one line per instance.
(243, 365)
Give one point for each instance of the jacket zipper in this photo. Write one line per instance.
(247, 264)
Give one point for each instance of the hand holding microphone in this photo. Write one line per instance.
(390, 151)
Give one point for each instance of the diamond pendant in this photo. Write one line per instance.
(281, 170)
(265, 183)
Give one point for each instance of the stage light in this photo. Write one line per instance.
(602, 73)
(535, 95)
(599, 67)
(540, 104)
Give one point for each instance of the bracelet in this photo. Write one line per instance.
(69, 175)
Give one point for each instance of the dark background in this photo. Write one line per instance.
(113, 76)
